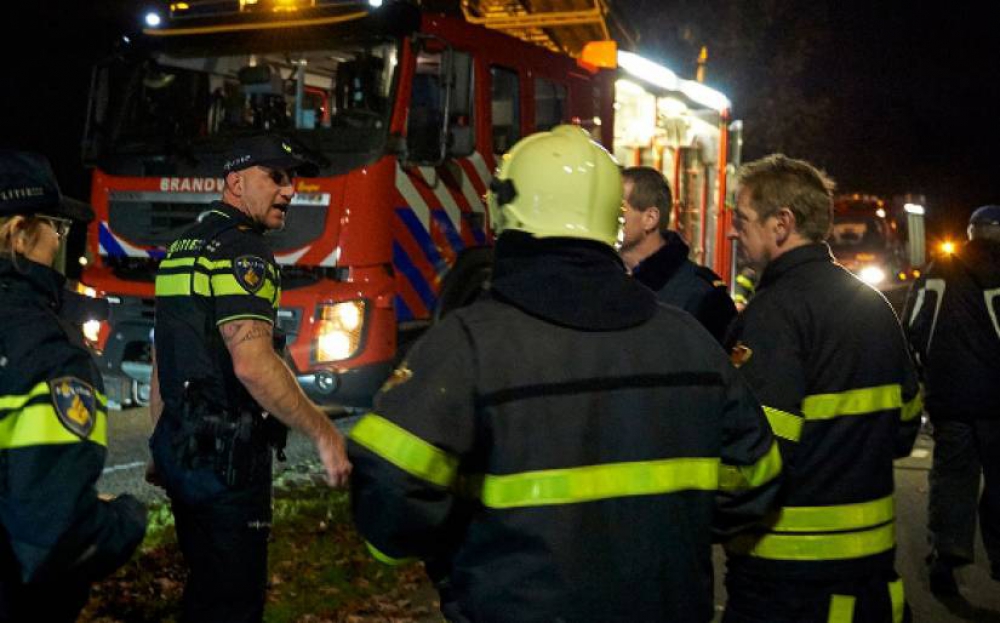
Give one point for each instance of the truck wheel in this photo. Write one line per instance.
(465, 282)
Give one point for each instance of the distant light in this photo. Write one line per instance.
(92, 330)
(914, 208)
(880, 213)
(83, 261)
(153, 19)
(947, 247)
(375, 3)
(872, 275)
(126, 39)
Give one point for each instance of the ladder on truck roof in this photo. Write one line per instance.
(560, 25)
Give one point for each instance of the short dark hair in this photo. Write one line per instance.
(777, 181)
(649, 190)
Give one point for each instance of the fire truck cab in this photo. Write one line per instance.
(407, 112)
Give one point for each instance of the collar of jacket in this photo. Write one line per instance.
(241, 217)
(573, 283)
(657, 269)
(31, 280)
(814, 252)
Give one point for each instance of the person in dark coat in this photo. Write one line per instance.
(57, 535)
(825, 355)
(565, 449)
(952, 324)
(658, 257)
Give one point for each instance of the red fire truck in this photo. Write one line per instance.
(408, 113)
(882, 242)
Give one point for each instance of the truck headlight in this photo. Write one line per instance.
(872, 275)
(338, 334)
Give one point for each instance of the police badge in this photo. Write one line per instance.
(75, 403)
(249, 271)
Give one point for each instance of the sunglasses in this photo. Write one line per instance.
(60, 225)
(281, 177)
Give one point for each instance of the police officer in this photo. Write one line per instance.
(219, 384)
(951, 317)
(563, 449)
(826, 356)
(658, 257)
(57, 535)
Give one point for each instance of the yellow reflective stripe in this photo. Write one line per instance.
(839, 546)
(835, 518)
(841, 609)
(742, 477)
(180, 285)
(897, 596)
(8, 403)
(599, 482)
(853, 402)
(385, 558)
(226, 285)
(176, 262)
(913, 408)
(784, 424)
(405, 450)
(745, 282)
(39, 425)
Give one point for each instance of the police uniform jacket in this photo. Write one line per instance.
(567, 445)
(952, 324)
(219, 270)
(826, 357)
(53, 443)
(680, 282)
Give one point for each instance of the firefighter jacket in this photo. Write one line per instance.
(53, 443)
(826, 357)
(680, 282)
(219, 270)
(566, 445)
(952, 323)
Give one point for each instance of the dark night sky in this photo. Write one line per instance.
(910, 89)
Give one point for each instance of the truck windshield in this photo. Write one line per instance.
(858, 233)
(335, 98)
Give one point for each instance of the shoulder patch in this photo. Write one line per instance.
(250, 271)
(75, 403)
(740, 354)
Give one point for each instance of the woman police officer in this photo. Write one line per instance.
(56, 534)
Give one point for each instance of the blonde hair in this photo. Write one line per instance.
(777, 181)
(11, 226)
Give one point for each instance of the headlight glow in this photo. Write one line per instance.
(339, 329)
(872, 275)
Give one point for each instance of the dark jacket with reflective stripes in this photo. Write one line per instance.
(680, 282)
(953, 324)
(564, 449)
(218, 270)
(53, 527)
(826, 357)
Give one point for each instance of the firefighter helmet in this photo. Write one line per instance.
(558, 184)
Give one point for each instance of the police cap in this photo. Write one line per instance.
(986, 215)
(28, 186)
(267, 150)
